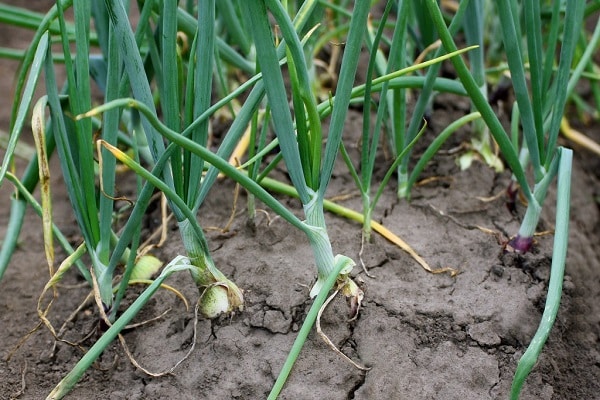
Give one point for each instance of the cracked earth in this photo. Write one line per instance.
(424, 336)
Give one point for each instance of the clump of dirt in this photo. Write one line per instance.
(423, 335)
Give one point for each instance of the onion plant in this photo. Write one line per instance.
(183, 172)
(392, 104)
(185, 142)
(392, 108)
(300, 137)
(540, 105)
(301, 144)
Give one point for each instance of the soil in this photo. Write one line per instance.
(424, 336)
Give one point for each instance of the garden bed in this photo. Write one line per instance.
(422, 335)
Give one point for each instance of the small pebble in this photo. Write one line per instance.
(498, 270)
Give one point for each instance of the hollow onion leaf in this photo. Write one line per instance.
(559, 254)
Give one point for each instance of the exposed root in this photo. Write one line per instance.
(498, 235)
(42, 311)
(163, 286)
(124, 343)
(22, 341)
(328, 341)
(170, 370)
(268, 216)
(360, 253)
(20, 392)
(71, 317)
(227, 227)
(73, 314)
(148, 321)
(236, 195)
(162, 230)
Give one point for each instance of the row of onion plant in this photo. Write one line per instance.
(540, 104)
